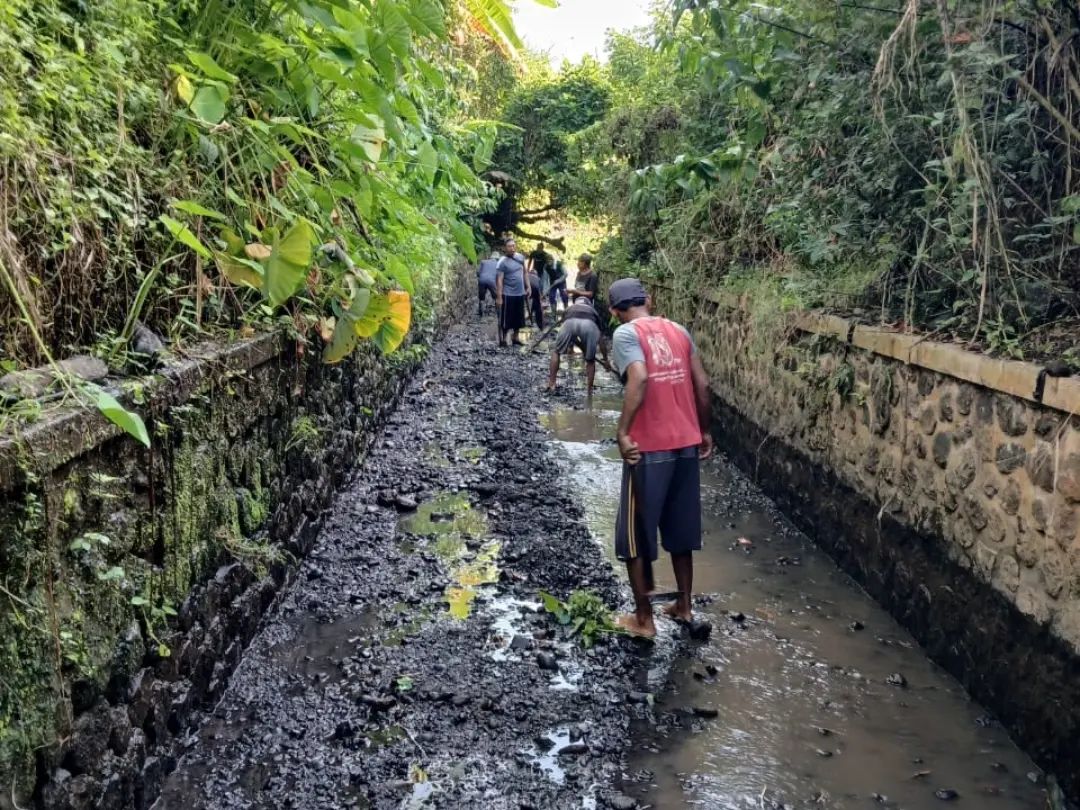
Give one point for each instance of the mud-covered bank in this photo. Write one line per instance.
(410, 664)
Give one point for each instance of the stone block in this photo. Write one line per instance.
(941, 447)
(945, 407)
(974, 512)
(1007, 575)
(1047, 425)
(1010, 497)
(1068, 482)
(1055, 572)
(963, 473)
(965, 399)
(1011, 415)
(985, 560)
(1010, 457)
(1040, 467)
(928, 420)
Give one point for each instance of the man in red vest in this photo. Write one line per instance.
(663, 432)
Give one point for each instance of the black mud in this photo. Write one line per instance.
(408, 665)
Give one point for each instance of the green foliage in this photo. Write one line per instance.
(549, 113)
(139, 139)
(584, 613)
(917, 165)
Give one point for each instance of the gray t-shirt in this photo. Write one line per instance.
(486, 274)
(582, 309)
(626, 348)
(513, 272)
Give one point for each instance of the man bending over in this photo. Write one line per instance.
(581, 327)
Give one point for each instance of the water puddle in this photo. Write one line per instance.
(456, 530)
(544, 755)
(317, 648)
(792, 702)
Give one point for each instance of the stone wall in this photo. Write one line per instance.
(132, 579)
(953, 503)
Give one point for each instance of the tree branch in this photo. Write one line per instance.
(556, 242)
(536, 211)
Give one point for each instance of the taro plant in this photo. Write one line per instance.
(584, 613)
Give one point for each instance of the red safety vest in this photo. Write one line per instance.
(668, 418)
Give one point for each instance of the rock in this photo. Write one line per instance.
(344, 730)
(946, 794)
(1069, 479)
(35, 382)
(1011, 414)
(574, 749)
(856, 626)
(824, 754)
(379, 703)
(403, 503)
(897, 679)
(699, 629)
(1010, 457)
(940, 449)
(620, 801)
(145, 341)
(737, 616)
(521, 643)
(546, 661)
(712, 670)
(706, 712)
(637, 697)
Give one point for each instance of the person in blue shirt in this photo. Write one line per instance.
(486, 277)
(511, 290)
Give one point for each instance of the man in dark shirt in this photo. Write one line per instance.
(581, 327)
(540, 260)
(588, 283)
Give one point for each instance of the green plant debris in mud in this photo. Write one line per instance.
(409, 628)
(434, 454)
(448, 514)
(383, 737)
(472, 454)
(481, 570)
(452, 520)
(584, 613)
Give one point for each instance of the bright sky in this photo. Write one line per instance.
(577, 27)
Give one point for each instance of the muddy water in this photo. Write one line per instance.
(798, 671)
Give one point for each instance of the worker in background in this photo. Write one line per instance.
(486, 277)
(580, 328)
(511, 290)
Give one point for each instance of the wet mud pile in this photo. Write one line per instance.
(410, 665)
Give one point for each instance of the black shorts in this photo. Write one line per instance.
(660, 501)
(484, 289)
(512, 314)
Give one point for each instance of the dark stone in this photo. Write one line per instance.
(945, 408)
(926, 382)
(1011, 414)
(1010, 457)
(941, 448)
(404, 503)
(707, 712)
(1047, 425)
(1010, 497)
(574, 749)
(1040, 467)
(984, 407)
(145, 341)
(975, 512)
(946, 794)
(546, 660)
(620, 801)
(1068, 482)
(928, 420)
(965, 397)
(897, 679)
(960, 477)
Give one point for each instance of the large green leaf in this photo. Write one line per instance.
(182, 233)
(287, 267)
(194, 208)
(427, 17)
(394, 27)
(342, 343)
(463, 235)
(211, 69)
(240, 271)
(209, 103)
(399, 272)
(128, 421)
(429, 160)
